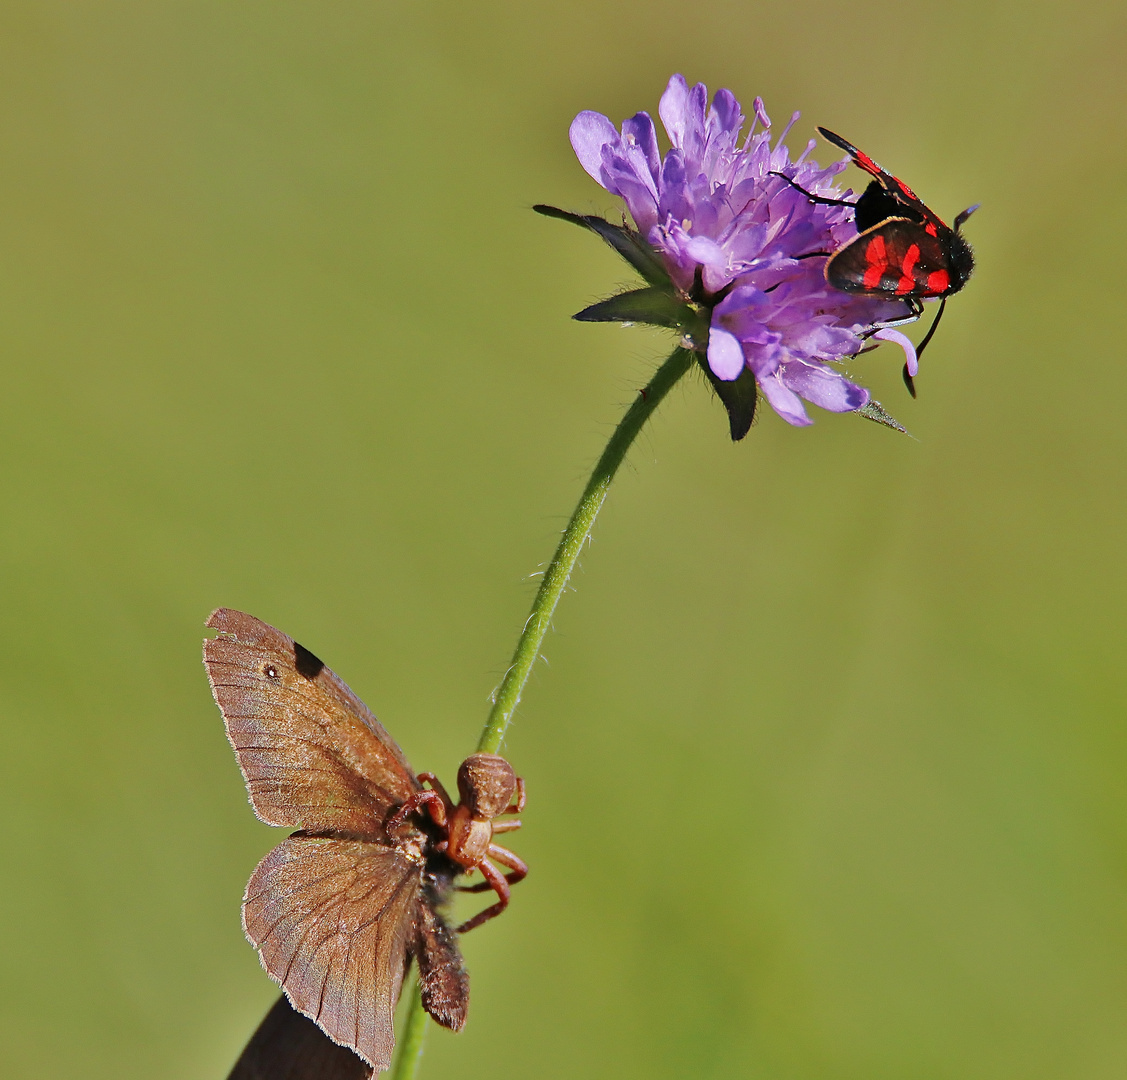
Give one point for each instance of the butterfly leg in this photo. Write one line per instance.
(496, 881)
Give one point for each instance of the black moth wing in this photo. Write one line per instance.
(875, 206)
(897, 258)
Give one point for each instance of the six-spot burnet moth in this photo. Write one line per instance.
(903, 250)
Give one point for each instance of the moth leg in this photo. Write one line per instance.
(494, 880)
(810, 195)
(915, 310)
(430, 799)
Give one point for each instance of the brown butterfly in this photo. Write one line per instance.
(338, 910)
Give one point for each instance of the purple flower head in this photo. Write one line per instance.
(743, 245)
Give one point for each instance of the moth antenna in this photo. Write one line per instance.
(931, 332)
(961, 220)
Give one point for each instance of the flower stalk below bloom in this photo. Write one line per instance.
(552, 585)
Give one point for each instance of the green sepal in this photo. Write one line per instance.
(739, 397)
(652, 306)
(628, 243)
(875, 411)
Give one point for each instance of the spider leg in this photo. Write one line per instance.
(517, 806)
(505, 857)
(430, 799)
(496, 881)
(436, 784)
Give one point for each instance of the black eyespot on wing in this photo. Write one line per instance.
(271, 672)
(306, 663)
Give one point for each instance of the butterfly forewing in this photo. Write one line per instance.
(313, 755)
(895, 258)
(332, 921)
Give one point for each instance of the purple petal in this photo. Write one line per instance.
(785, 402)
(673, 109)
(727, 110)
(897, 338)
(725, 356)
(589, 133)
(675, 197)
(638, 194)
(823, 387)
(682, 111)
(640, 133)
(705, 251)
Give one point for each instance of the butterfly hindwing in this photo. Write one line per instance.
(897, 258)
(333, 921)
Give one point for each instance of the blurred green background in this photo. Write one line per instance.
(827, 774)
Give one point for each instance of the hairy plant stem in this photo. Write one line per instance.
(536, 626)
(409, 1051)
(571, 544)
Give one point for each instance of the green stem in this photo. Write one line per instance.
(548, 595)
(410, 1049)
(571, 544)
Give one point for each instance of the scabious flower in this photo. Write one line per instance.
(742, 246)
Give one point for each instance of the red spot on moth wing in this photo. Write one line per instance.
(938, 282)
(312, 754)
(871, 167)
(912, 196)
(332, 921)
(876, 256)
(907, 280)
